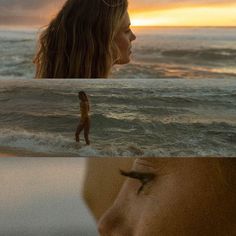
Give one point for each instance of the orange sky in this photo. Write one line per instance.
(184, 13)
(187, 16)
(142, 12)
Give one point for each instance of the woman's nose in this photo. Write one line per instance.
(107, 224)
(113, 223)
(133, 36)
(103, 229)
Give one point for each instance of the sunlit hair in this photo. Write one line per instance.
(79, 41)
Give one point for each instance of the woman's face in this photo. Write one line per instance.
(186, 197)
(80, 96)
(123, 39)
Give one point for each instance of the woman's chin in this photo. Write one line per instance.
(123, 61)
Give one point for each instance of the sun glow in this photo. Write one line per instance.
(200, 16)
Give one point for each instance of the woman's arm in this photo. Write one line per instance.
(103, 182)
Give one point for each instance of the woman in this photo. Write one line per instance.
(170, 197)
(84, 123)
(85, 40)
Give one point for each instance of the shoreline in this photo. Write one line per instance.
(20, 152)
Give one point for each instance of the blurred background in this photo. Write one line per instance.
(42, 197)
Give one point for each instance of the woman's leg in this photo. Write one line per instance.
(86, 131)
(78, 131)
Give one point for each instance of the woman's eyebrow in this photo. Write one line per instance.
(143, 177)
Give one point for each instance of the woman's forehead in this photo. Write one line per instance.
(126, 20)
(156, 162)
(177, 163)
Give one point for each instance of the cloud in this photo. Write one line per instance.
(26, 4)
(149, 5)
(27, 12)
(35, 12)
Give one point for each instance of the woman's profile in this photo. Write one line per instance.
(84, 123)
(163, 196)
(85, 39)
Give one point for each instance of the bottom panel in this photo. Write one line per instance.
(152, 196)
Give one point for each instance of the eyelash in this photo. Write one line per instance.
(144, 178)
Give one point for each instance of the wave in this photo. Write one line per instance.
(159, 139)
(138, 111)
(161, 54)
(16, 41)
(203, 54)
(131, 99)
(59, 145)
(41, 141)
(213, 54)
(55, 122)
(149, 68)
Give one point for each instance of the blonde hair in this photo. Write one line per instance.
(79, 41)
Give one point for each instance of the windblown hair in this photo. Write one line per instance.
(79, 41)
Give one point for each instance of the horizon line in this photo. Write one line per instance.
(185, 26)
(133, 26)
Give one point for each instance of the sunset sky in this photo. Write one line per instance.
(30, 13)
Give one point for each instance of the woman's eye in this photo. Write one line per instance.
(141, 187)
(128, 31)
(144, 178)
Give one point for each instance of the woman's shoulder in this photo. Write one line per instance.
(84, 104)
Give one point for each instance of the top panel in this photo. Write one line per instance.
(106, 39)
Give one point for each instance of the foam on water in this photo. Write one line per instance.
(58, 145)
(158, 117)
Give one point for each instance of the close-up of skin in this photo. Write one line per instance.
(177, 196)
(84, 41)
(103, 182)
(123, 40)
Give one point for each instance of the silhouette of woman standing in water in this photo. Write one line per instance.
(84, 123)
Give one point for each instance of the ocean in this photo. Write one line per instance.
(155, 118)
(157, 53)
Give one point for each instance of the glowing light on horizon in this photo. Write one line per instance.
(201, 16)
(141, 21)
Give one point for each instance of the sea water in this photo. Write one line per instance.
(157, 53)
(165, 117)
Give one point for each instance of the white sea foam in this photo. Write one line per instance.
(128, 117)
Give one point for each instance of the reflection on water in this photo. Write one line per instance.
(42, 197)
